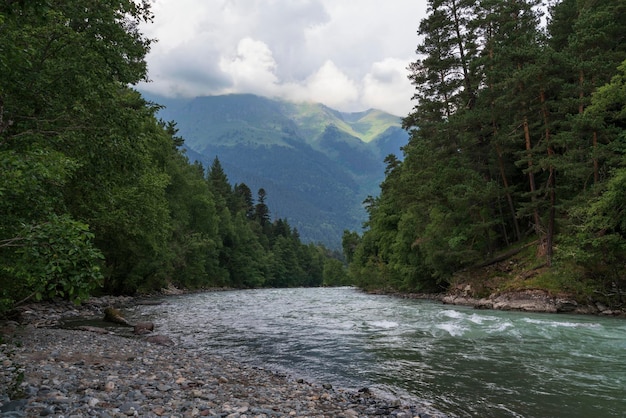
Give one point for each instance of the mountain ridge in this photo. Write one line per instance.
(316, 164)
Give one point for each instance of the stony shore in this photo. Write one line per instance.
(47, 371)
(530, 300)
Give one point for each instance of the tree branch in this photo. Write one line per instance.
(11, 242)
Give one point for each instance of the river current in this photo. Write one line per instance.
(463, 362)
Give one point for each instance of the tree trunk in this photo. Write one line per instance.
(505, 181)
(581, 109)
(531, 177)
(551, 182)
(551, 216)
(509, 198)
(467, 82)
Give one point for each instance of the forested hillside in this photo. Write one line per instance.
(95, 192)
(517, 144)
(317, 164)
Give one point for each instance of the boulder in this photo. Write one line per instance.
(143, 328)
(520, 300)
(171, 290)
(454, 299)
(524, 300)
(566, 305)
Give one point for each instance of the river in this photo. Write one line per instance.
(464, 362)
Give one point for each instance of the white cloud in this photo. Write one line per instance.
(348, 54)
(387, 87)
(252, 69)
(329, 85)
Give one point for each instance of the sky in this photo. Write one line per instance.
(350, 55)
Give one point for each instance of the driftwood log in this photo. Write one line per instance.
(115, 316)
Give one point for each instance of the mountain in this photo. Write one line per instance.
(316, 164)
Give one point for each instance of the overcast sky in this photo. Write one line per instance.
(348, 54)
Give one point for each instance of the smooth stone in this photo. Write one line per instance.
(13, 406)
(129, 406)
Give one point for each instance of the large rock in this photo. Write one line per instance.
(525, 300)
(521, 300)
(143, 328)
(461, 300)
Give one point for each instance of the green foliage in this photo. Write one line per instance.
(51, 259)
(565, 280)
(513, 137)
(95, 193)
(317, 164)
(30, 185)
(349, 244)
(335, 273)
(598, 234)
(596, 228)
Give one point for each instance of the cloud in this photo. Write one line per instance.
(329, 85)
(387, 87)
(346, 54)
(252, 69)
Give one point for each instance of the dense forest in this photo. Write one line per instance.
(517, 144)
(316, 163)
(95, 192)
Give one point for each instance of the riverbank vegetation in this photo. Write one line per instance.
(516, 155)
(516, 158)
(96, 194)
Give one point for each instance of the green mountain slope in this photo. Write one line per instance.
(316, 164)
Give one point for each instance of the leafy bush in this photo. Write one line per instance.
(51, 259)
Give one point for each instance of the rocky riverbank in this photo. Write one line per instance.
(47, 371)
(530, 300)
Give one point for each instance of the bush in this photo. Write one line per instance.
(50, 259)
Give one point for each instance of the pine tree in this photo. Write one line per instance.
(261, 211)
(218, 181)
(243, 200)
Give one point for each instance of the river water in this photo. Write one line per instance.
(461, 361)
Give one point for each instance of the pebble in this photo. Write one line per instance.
(77, 373)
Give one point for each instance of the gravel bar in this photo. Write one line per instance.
(81, 373)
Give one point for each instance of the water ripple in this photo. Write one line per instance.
(464, 362)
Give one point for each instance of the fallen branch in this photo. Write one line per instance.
(506, 255)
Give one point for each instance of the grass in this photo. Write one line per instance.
(524, 270)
